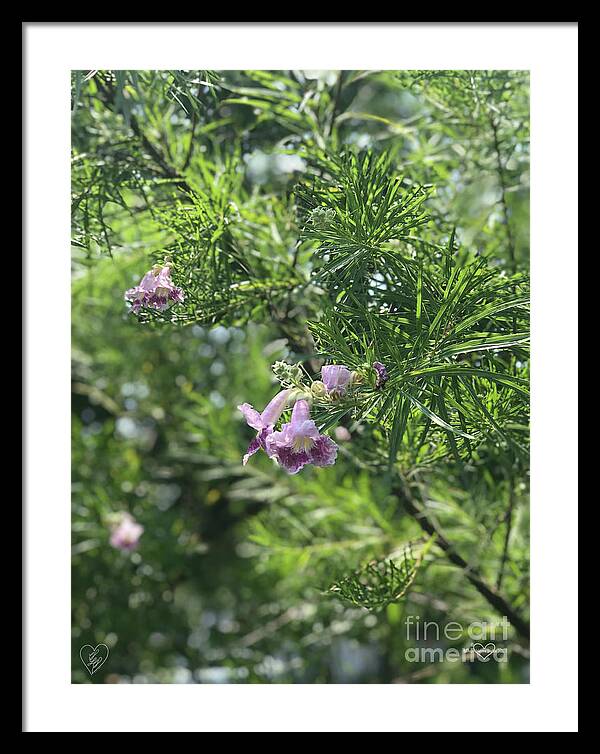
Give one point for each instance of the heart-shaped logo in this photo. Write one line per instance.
(484, 652)
(93, 657)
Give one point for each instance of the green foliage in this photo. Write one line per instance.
(379, 583)
(367, 207)
(342, 217)
(449, 328)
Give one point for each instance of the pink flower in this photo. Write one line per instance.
(125, 536)
(336, 378)
(300, 443)
(264, 422)
(342, 434)
(155, 291)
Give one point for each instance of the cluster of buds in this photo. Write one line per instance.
(288, 375)
(336, 380)
(322, 217)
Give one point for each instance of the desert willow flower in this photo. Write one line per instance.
(155, 291)
(300, 443)
(264, 423)
(337, 379)
(126, 534)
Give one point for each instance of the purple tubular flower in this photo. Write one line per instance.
(155, 291)
(382, 374)
(126, 535)
(300, 443)
(336, 379)
(264, 422)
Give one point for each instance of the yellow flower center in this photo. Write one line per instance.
(302, 443)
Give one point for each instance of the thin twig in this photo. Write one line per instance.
(503, 191)
(508, 519)
(336, 101)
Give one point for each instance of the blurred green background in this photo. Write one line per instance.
(229, 582)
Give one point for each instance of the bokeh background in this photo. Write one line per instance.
(230, 581)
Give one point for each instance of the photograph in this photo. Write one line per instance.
(300, 402)
(300, 377)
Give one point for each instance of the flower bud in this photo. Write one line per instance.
(336, 378)
(318, 389)
(300, 394)
(382, 374)
(287, 374)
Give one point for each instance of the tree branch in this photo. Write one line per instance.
(490, 594)
(163, 164)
